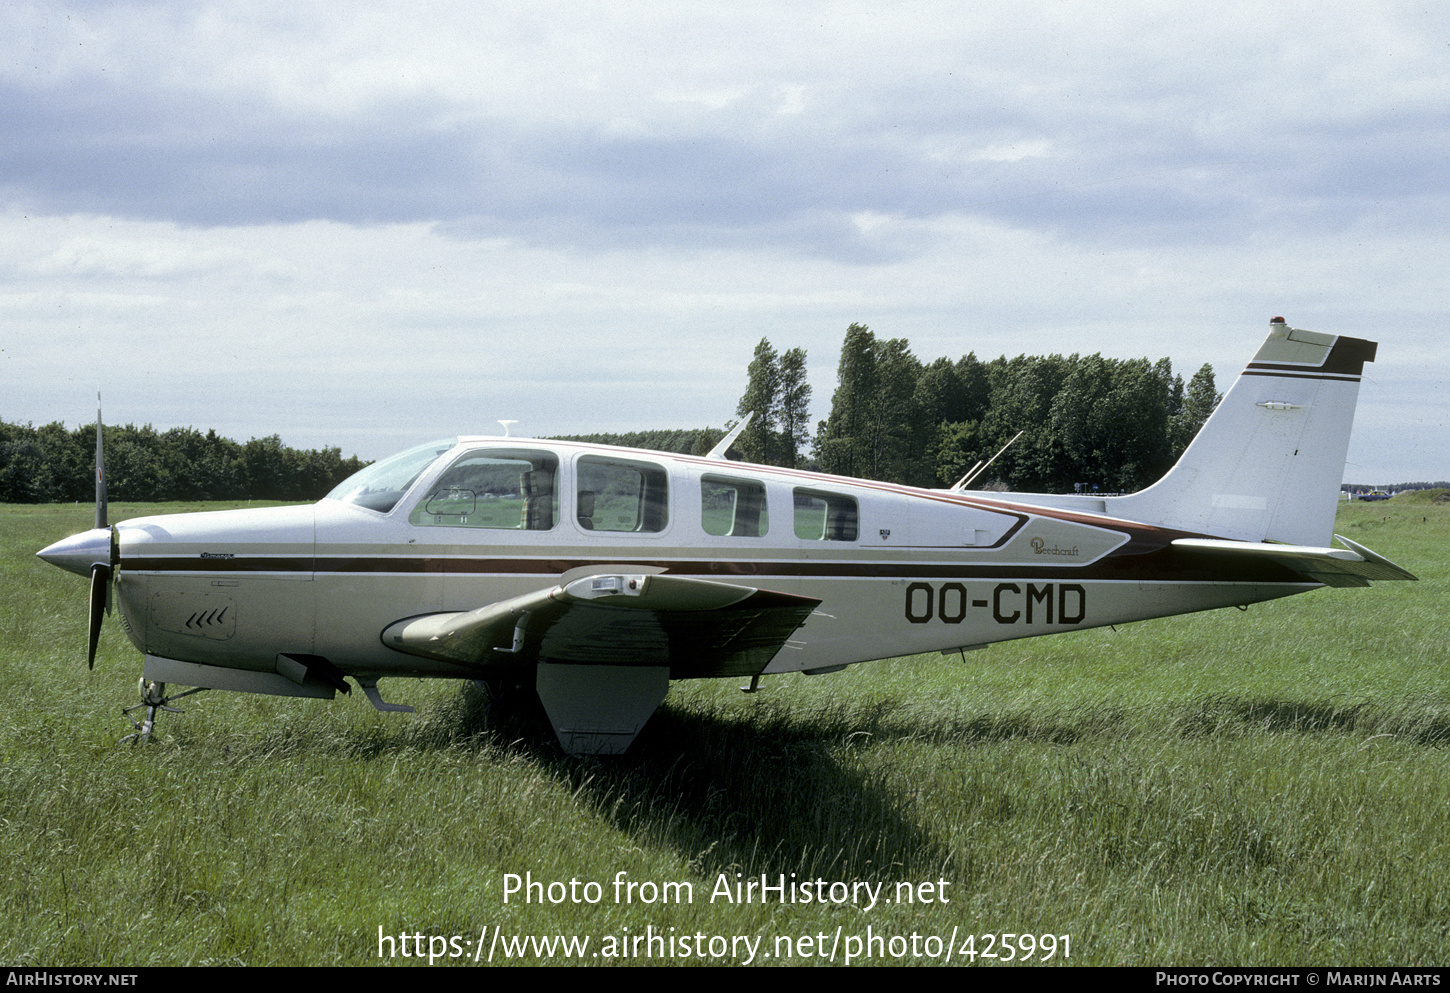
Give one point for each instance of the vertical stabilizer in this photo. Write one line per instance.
(1267, 466)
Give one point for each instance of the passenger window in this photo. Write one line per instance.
(734, 507)
(823, 516)
(494, 489)
(617, 495)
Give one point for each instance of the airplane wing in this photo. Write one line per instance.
(696, 627)
(1353, 565)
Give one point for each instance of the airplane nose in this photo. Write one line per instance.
(80, 551)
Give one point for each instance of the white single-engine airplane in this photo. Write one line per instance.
(599, 574)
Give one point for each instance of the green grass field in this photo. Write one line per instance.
(1259, 787)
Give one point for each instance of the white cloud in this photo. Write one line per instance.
(268, 215)
(1014, 151)
(792, 99)
(717, 99)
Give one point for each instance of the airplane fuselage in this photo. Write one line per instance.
(905, 571)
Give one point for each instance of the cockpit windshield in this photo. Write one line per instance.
(381, 485)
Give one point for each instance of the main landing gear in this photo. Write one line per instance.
(153, 698)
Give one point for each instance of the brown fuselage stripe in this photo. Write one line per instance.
(1165, 565)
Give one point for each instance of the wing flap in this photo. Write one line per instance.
(696, 627)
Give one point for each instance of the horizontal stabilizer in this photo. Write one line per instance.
(695, 627)
(1353, 565)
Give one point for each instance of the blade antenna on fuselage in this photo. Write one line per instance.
(967, 475)
(718, 452)
(966, 480)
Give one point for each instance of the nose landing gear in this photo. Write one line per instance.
(153, 698)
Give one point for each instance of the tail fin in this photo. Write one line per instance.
(1267, 466)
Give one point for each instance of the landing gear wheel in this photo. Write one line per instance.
(509, 687)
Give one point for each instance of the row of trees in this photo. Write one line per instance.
(778, 400)
(51, 464)
(1087, 422)
(686, 441)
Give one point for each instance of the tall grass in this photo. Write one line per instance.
(1260, 787)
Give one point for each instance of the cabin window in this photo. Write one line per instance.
(821, 516)
(510, 489)
(733, 507)
(381, 485)
(620, 495)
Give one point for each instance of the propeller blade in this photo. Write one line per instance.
(100, 593)
(115, 566)
(100, 470)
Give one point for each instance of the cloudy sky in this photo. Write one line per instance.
(368, 225)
